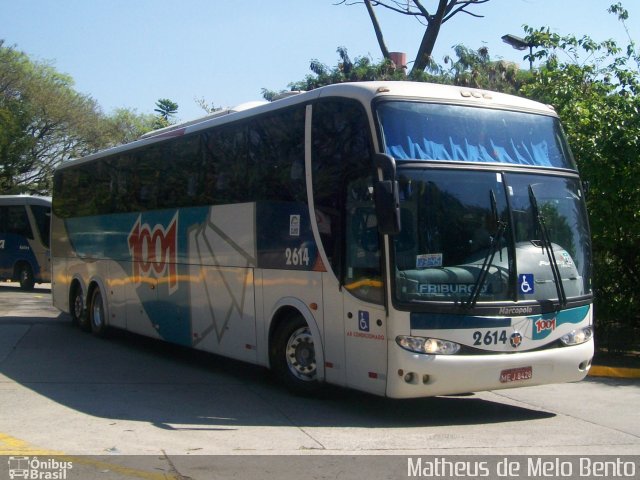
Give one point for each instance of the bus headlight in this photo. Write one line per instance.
(577, 337)
(431, 346)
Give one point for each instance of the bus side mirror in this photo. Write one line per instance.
(386, 164)
(388, 207)
(386, 196)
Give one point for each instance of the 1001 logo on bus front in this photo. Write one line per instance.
(154, 250)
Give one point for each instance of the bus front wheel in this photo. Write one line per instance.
(97, 313)
(293, 357)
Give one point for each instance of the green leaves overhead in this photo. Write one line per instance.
(45, 121)
(594, 86)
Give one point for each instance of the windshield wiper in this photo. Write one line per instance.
(488, 259)
(548, 247)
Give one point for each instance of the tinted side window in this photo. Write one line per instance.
(341, 150)
(64, 192)
(228, 149)
(84, 190)
(146, 177)
(42, 215)
(3, 219)
(96, 188)
(276, 149)
(18, 221)
(259, 159)
(121, 185)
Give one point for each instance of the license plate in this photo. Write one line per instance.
(516, 374)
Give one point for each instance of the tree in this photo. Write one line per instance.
(166, 110)
(596, 93)
(476, 69)
(43, 122)
(469, 68)
(358, 70)
(14, 118)
(125, 125)
(208, 107)
(431, 19)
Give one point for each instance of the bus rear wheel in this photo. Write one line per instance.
(293, 357)
(79, 315)
(25, 276)
(97, 317)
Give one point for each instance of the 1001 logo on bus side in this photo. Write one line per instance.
(154, 250)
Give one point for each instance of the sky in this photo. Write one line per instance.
(130, 53)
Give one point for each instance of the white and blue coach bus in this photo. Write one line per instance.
(403, 239)
(24, 239)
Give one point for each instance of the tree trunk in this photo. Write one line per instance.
(378, 30)
(429, 39)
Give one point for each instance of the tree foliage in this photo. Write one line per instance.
(44, 121)
(359, 70)
(207, 106)
(476, 69)
(125, 125)
(595, 86)
(166, 110)
(431, 18)
(467, 67)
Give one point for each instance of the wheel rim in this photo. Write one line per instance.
(301, 355)
(25, 276)
(78, 306)
(97, 311)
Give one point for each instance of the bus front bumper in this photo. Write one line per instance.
(419, 375)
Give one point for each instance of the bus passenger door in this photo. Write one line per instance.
(341, 169)
(355, 318)
(5, 270)
(363, 311)
(40, 219)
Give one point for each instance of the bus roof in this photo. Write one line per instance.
(24, 200)
(365, 92)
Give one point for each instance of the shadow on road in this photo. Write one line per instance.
(130, 377)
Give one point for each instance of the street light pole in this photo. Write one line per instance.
(519, 44)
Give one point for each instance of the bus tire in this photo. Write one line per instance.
(97, 316)
(293, 358)
(79, 315)
(25, 276)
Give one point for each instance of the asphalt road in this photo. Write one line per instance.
(99, 401)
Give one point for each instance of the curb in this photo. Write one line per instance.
(614, 372)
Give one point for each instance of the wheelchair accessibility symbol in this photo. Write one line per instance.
(363, 321)
(526, 283)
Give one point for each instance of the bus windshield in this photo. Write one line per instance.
(428, 131)
(487, 236)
